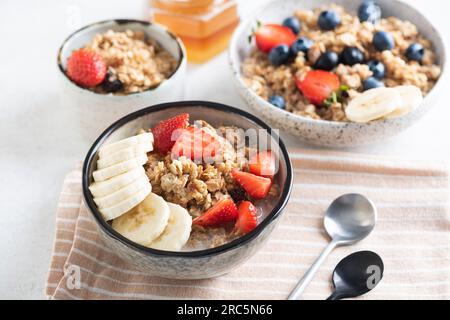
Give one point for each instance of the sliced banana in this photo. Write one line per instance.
(124, 155)
(119, 168)
(145, 222)
(125, 143)
(177, 231)
(373, 104)
(412, 98)
(126, 205)
(104, 188)
(122, 194)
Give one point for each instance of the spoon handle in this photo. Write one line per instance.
(309, 275)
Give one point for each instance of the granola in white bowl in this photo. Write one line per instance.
(361, 52)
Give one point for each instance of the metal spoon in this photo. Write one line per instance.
(356, 275)
(349, 219)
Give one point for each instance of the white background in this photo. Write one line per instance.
(39, 143)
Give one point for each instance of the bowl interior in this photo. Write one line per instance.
(83, 36)
(276, 11)
(214, 114)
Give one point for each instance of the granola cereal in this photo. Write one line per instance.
(198, 185)
(134, 62)
(181, 186)
(268, 79)
(195, 186)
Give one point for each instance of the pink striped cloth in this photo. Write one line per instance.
(412, 236)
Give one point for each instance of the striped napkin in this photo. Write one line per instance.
(412, 236)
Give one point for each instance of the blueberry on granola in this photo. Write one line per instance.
(351, 56)
(415, 52)
(279, 55)
(292, 23)
(378, 69)
(372, 83)
(302, 44)
(277, 101)
(369, 11)
(328, 20)
(327, 61)
(383, 40)
(111, 82)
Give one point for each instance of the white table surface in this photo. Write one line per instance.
(39, 143)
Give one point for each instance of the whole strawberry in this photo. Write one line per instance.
(86, 68)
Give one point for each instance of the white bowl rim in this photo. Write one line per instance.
(335, 124)
(94, 25)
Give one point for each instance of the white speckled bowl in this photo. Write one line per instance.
(328, 133)
(94, 112)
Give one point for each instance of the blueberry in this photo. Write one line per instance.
(292, 23)
(111, 83)
(383, 40)
(378, 69)
(327, 61)
(277, 101)
(369, 11)
(372, 83)
(279, 55)
(328, 20)
(301, 44)
(415, 52)
(351, 56)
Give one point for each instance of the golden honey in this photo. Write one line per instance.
(205, 26)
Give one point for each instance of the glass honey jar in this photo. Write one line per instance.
(205, 26)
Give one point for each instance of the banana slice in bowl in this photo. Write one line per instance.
(122, 194)
(145, 222)
(373, 104)
(119, 168)
(112, 148)
(104, 188)
(124, 155)
(124, 206)
(412, 98)
(177, 232)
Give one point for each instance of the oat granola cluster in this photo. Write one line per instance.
(195, 186)
(267, 80)
(139, 63)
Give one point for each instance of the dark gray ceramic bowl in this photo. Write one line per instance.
(190, 264)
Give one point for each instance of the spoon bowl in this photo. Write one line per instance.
(350, 218)
(357, 274)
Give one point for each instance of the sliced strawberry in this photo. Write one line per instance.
(86, 68)
(269, 36)
(196, 144)
(222, 212)
(167, 132)
(256, 187)
(263, 164)
(318, 85)
(246, 220)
